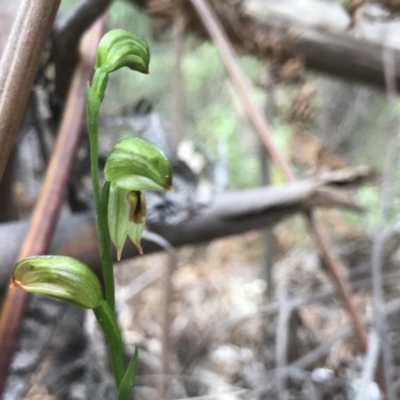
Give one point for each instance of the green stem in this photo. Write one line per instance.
(106, 319)
(93, 107)
(99, 83)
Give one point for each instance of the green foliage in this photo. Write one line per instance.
(133, 166)
(61, 277)
(120, 48)
(125, 387)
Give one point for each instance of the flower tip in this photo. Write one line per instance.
(139, 248)
(119, 254)
(170, 188)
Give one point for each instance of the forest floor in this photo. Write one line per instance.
(228, 341)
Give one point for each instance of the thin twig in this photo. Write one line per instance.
(271, 309)
(370, 363)
(178, 112)
(322, 241)
(281, 341)
(49, 204)
(166, 325)
(178, 90)
(313, 356)
(379, 238)
(320, 351)
(129, 292)
(267, 233)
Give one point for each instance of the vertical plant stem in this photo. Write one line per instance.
(106, 319)
(93, 109)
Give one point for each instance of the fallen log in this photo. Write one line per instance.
(315, 33)
(232, 213)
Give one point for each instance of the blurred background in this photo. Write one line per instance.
(249, 310)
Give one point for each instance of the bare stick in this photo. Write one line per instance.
(178, 112)
(265, 165)
(166, 324)
(320, 238)
(281, 341)
(320, 351)
(136, 286)
(392, 155)
(178, 98)
(18, 67)
(370, 362)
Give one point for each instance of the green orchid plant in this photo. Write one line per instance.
(132, 167)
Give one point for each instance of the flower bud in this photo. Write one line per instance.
(126, 216)
(118, 217)
(137, 217)
(135, 164)
(119, 48)
(58, 276)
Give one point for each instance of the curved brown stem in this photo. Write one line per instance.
(46, 212)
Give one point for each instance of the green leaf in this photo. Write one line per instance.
(125, 388)
(58, 276)
(120, 48)
(135, 164)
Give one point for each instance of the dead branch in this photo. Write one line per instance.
(319, 352)
(377, 254)
(46, 212)
(232, 213)
(281, 340)
(264, 30)
(339, 54)
(260, 124)
(172, 261)
(18, 67)
(178, 112)
(370, 363)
